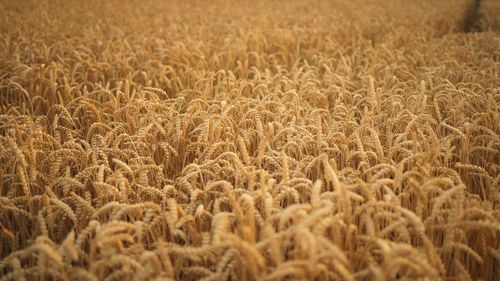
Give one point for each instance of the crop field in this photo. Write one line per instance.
(249, 140)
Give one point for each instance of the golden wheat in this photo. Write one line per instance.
(262, 140)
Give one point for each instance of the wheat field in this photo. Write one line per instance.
(249, 140)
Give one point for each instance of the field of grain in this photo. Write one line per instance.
(249, 140)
